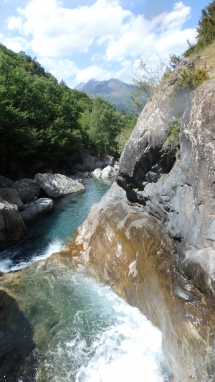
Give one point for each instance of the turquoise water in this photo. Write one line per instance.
(51, 232)
(78, 330)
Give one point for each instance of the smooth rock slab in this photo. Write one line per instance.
(58, 185)
(27, 189)
(12, 227)
(10, 195)
(37, 208)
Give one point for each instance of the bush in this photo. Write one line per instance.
(173, 137)
(191, 80)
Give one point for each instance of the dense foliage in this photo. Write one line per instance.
(205, 30)
(41, 118)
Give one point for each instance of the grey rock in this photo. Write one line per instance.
(34, 209)
(108, 172)
(58, 185)
(5, 182)
(12, 227)
(10, 195)
(27, 189)
(97, 173)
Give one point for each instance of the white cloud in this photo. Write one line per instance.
(104, 30)
(61, 69)
(57, 31)
(93, 71)
(17, 44)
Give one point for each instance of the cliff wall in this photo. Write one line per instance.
(153, 238)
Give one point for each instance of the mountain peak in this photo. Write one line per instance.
(114, 90)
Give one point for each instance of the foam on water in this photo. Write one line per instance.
(7, 265)
(106, 341)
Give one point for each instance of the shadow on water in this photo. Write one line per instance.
(17, 362)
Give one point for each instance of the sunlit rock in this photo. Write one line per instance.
(37, 208)
(56, 185)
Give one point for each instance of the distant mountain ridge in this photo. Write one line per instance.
(115, 91)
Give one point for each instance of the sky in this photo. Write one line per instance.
(101, 39)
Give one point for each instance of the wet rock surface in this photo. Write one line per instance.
(131, 250)
(16, 338)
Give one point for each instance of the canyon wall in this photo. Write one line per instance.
(152, 237)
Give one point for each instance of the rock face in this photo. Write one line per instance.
(12, 227)
(37, 208)
(10, 195)
(5, 182)
(129, 249)
(58, 185)
(155, 241)
(27, 189)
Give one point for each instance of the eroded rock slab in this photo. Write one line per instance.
(39, 207)
(56, 185)
(129, 249)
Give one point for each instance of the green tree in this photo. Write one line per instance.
(206, 26)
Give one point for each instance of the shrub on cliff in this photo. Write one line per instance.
(191, 80)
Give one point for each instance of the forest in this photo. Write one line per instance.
(42, 119)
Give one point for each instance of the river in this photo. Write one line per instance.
(78, 329)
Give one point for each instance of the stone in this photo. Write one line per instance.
(5, 182)
(38, 207)
(12, 227)
(108, 172)
(97, 173)
(10, 195)
(131, 250)
(27, 189)
(58, 185)
(80, 176)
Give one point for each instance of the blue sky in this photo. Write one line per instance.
(102, 39)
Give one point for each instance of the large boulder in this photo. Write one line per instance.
(5, 182)
(97, 173)
(27, 189)
(12, 227)
(108, 172)
(10, 195)
(34, 209)
(58, 185)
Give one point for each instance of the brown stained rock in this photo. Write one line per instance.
(130, 250)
